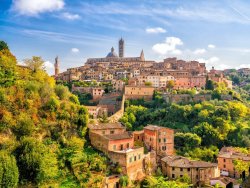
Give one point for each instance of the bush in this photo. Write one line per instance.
(8, 170)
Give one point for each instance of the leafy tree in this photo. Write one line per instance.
(62, 92)
(124, 181)
(35, 63)
(170, 84)
(25, 126)
(209, 85)
(3, 46)
(209, 135)
(241, 166)
(148, 83)
(187, 140)
(8, 170)
(7, 68)
(36, 162)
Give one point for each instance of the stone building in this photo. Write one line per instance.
(97, 111)
(110, 137)
(131, 161)
(199, 172)
(136, 92)
(97, 93)
(226, 158)
(159, 139)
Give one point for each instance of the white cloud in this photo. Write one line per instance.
(48, 65)
(155, 30)
(35, 7)
(243, 66)
(211, 46)
(168, 47)
(211, 60)
(199, 51)
(75, 50)
(70, 16)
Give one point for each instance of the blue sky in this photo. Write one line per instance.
(212, 31)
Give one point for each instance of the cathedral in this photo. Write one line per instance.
(113, 57)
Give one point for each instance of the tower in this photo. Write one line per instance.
(142, 56)
(121, 48)
(56, 65)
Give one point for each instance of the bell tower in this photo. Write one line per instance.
(121, 48)
(56, 65)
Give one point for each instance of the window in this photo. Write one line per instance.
(181, 176)
(173, 168)
(134, 158)
(114, 147)
(197, 169)
(139, 157)
(181, 169)
(127, 145)
(138, 137)
(164, 140)
(103, 132)
(130, 159)
(197, 177)
(173, 175)
(159, 140)
(164, 148)
(188, 169)
(112, 132)
(224, 166)
(224, 160)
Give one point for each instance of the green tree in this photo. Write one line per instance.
(124, 181)
(7, 68)
(35, 63)
(3, 45)
(36, 162)
(187, 140)
(170, 84)
(209, 135)
(209, 84)
(148, 83)
(8, 170)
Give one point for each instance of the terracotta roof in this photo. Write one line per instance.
(121, 136)
(225, 180)
(155, 127)
(182, 162)
(106, 126)
(139, 132)
(233, 153)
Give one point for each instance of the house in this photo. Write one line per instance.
(199, 172)
(226, 158)
(159, 139)
(137, 92)
(97, 111)
(224, 182)
(118, 145)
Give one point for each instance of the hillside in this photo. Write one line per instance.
(201, 129)
(42, 130)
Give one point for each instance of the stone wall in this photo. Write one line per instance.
(186, 98)
(115, 117)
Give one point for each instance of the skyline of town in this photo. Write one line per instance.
(76, 31)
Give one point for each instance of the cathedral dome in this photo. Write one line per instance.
(112, 53)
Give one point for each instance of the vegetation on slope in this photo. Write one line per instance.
(42, 130)
(201, 129)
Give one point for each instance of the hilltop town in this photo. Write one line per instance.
(114, 79)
